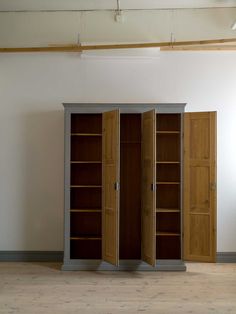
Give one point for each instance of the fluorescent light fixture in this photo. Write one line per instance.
(134, 53)
(233, 26)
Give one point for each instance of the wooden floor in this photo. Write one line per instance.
(42, 288)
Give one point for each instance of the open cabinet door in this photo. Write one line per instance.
(148, 220)
(200, 186)
(110, 195)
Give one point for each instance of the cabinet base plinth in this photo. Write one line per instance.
(124, 265)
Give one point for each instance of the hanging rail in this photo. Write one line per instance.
(80, 48)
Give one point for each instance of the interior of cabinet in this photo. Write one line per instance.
(86, 174)
(86, 147)
(168, 186)
(85, 248)
(168, 247)
(168, 173)
(85, 198)
(168, 145)
(86, 186)
(86, 123)
(86, 224)
(168, 122)
(130, 186)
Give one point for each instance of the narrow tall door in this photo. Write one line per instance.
(200, 186)
(148, 219)
(110, 183)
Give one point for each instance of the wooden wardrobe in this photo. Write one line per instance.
(140, 187)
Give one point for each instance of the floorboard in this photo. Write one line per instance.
(43, 288)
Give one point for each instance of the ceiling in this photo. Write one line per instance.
(61, 5)
(61, 22)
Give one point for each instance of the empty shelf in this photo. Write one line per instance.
(168, 182)
(167, 210)
(85, 210)
(167, 132)
(86, 134)
(85, 186)
(85, 238)
(167, 234)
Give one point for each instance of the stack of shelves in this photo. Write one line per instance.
(86, 186)
(168, 186)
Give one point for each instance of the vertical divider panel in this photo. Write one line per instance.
(110, 186)
(148, 219)
(67, 131)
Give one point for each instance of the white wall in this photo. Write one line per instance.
(32, 88)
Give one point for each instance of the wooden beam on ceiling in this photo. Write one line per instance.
(201, 48)
(42, 49)
(80, 48)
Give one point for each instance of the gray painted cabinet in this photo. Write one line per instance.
(123, 187)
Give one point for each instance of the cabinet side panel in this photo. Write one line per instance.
(67, 126)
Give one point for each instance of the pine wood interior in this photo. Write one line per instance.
(130, 186)
(84, 224)
(168, 196)
(86, 186)
(85, 249)
(168, 173)
(86, 198)
(86, 123)
(168, 221)
(168, 122)
(86, 174)
(168, 247)
(86, 148)
(168, 147)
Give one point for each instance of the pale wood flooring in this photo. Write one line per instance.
(42, 288)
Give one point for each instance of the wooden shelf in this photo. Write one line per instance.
(169, 182)
(85, 210)
(85, 238)
(130, 142)
(85, 186)
(167, 234)
(86, 134)
(168, 162)
(167, 210)
(168, 132)
(86, 162)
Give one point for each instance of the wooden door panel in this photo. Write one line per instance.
(110, 210)
(199, 189)
(200, 244)
(199, 186)
(200, 137)
(148, 193)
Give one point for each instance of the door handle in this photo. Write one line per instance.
(213, 186)
(153, 187)
(117, 186)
